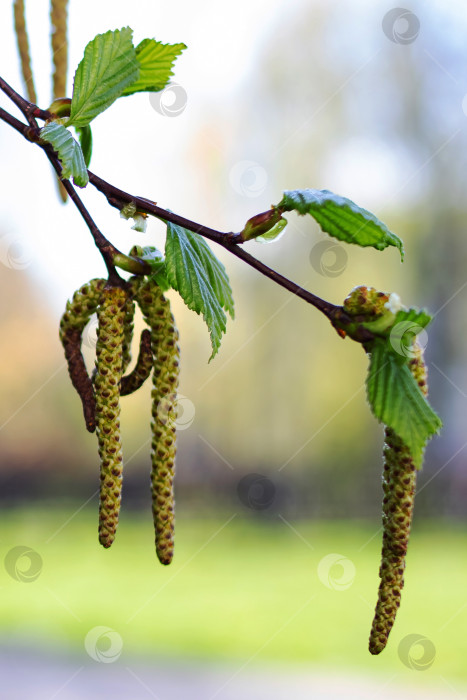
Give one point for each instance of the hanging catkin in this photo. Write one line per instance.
(128, 326)
(58, 16)
(399, 476)
(166, 353)
(77, 314)
(132, 382)
(109, 348)
(23, 49)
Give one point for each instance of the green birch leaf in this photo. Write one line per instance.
(200, 278)
(274, 233)
(156, 62)
(341, 218)
(419, 318)
(215, 272)
(85, 140)
(108, 67)
(407, 324)
(69, 152)
(396, 400)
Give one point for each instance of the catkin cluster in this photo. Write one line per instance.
(100, 394)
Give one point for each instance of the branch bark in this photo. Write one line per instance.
(119, 198)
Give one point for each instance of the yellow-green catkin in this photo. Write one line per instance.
(399, 477)
(77, 314)
(23, 49)
(128, 326)
(109, 349)
(59, 16)
(166, 353)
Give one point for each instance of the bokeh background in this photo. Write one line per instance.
(272, 589)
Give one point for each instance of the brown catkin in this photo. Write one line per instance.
(77, 314)
(111, 315)
(23, 49)
(399, 477)
(166, 353)
(132, 382)
(58, 16)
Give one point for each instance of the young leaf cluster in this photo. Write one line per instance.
(100, 394)
(394, 396)
(112, 67)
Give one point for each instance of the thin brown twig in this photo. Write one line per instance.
(119, 198)
(23, 129)
(106, 249)
(30, 110)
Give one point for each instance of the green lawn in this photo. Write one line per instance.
(238, 590)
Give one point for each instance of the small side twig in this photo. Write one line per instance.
(119, 198)
(30, 110)
(106, 249)
(23, 129)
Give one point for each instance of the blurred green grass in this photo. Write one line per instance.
(239, 589)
